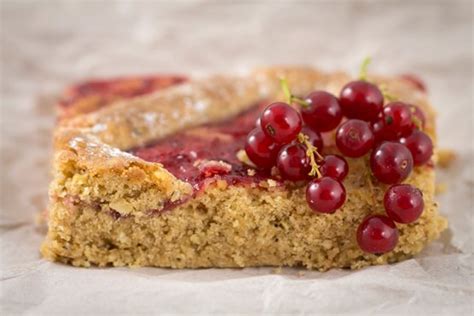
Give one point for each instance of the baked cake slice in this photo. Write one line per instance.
(160, 179)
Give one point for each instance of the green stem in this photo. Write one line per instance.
(417, 122)
(386, 95)
(300, 101)
(363, 68)
(286, 90)
(290, 98)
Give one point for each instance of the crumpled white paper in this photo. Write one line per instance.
(48, 44)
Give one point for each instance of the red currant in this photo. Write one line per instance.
(377, 234)
(334, 166)
(325, 195)
(281, 122)
(378, 128)
(391, 162)
(361, 100)
(354, 138)
(315, 138)
(260, 149)
(403, 203)
(323, 113)
(420, 146)
(293, 163)
(398, 120)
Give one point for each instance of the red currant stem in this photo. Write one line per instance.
(417, 123)
(363, 76)
(311, 152)
(286, 90)
(416, 120)
(386, 95)
(290, 98)
(363, 68)
(299, 101)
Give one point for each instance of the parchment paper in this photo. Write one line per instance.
(46, 45)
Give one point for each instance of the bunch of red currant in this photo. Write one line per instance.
(281, 140)
(291, 140)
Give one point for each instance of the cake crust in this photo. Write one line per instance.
(108, 207)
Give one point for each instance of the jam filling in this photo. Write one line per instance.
(204, 154)
(104, 92)
(416, 81)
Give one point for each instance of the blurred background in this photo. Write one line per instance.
(46, 45)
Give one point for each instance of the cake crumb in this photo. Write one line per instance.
(251, 172)
(242, 156)
(221, 184)
(274, 172)
(209, 168)
(446, 157)
(327, 244)
(271, 183)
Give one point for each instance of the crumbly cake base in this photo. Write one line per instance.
(107, 206)
(232, 226)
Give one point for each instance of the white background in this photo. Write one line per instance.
(46, 45)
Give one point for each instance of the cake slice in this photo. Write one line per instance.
(160, 180)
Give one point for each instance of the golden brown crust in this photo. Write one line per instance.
(94, 176)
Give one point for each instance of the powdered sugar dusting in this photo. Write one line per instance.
(77, 142)
(115, 152)
(150, 118)
(97, 128)
(80, 143)
(188, 101)
(200, 106)
(175, 115)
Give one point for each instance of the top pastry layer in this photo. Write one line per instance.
(99, 141)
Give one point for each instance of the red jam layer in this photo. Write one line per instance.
(416, 81)
(208, 152)
(103, 92)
